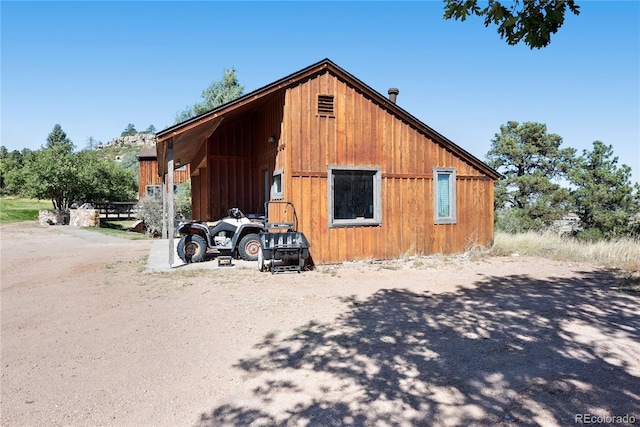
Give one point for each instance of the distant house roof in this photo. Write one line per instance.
(189, 135)
(147, 153)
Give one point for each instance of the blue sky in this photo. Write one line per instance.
(94, 67)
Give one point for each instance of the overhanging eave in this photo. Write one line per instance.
(186, 143)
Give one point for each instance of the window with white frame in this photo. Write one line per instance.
(444, 199)
(354, 196)
(276, 185)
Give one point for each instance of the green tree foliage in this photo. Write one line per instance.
(130, 161)
(531, 21)
(57, 173)
(100, 180)
(530, 160)
(12, 176)
(151, 129)
(183, 207)
(49, 173)
(604, 197)
(92, 143)
(58, 138)
(218, 93)
(130, 130)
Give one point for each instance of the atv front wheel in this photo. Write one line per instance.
(192, 248)
(249, 247)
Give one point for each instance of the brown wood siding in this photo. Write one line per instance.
(148, 175)
(363, 133)
(200, 185)
(238, 154)
(196, 209)
(268, 124)
(407, 220)
(231, 174)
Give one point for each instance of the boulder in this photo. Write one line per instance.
(84, 217)
(53, 217)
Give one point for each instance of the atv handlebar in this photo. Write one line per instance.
(235, 213)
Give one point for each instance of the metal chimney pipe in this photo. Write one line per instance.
(393, 93)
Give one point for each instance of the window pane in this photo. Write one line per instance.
(276, 185)
(353, 194)
(444, 206)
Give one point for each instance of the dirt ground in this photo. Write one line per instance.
(88, 339)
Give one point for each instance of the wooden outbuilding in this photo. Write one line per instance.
(368, 179)
(149, 181)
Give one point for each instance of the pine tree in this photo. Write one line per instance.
(218, 93)
(531, 162)
(604, 197)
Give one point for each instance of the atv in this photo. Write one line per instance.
(234, 235)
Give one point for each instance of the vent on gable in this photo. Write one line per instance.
(325, 105)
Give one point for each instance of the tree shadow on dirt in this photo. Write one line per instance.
(513, 351)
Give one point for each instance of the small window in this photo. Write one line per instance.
(181, 168)
(444, 200)
(354, 196)
(276, 185)
(325, 105)
(154, 191)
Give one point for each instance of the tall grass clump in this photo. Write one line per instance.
(622, 253)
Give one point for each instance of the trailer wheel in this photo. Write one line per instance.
(249, 247)
(192, 248)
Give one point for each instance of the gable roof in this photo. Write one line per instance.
(147, 153)
(188, 136)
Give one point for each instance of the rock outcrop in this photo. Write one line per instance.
(139, 139)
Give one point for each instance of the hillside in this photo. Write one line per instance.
(126, 147)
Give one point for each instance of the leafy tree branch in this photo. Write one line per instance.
(530, 21)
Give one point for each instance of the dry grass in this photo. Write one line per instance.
(623, 254)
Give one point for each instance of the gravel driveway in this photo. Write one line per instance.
(88, 339)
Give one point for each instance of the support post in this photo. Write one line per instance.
(164, 207)
(170, 212)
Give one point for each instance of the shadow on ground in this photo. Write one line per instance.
(514, 351)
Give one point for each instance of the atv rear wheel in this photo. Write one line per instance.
(249, 247)
(192, 248)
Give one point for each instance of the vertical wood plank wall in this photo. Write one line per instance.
(148, 175)
(230, 168)
(363, 133)
(238, 154)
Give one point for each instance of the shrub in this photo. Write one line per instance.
(150, 211)
(183, 201)
(513, 220)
